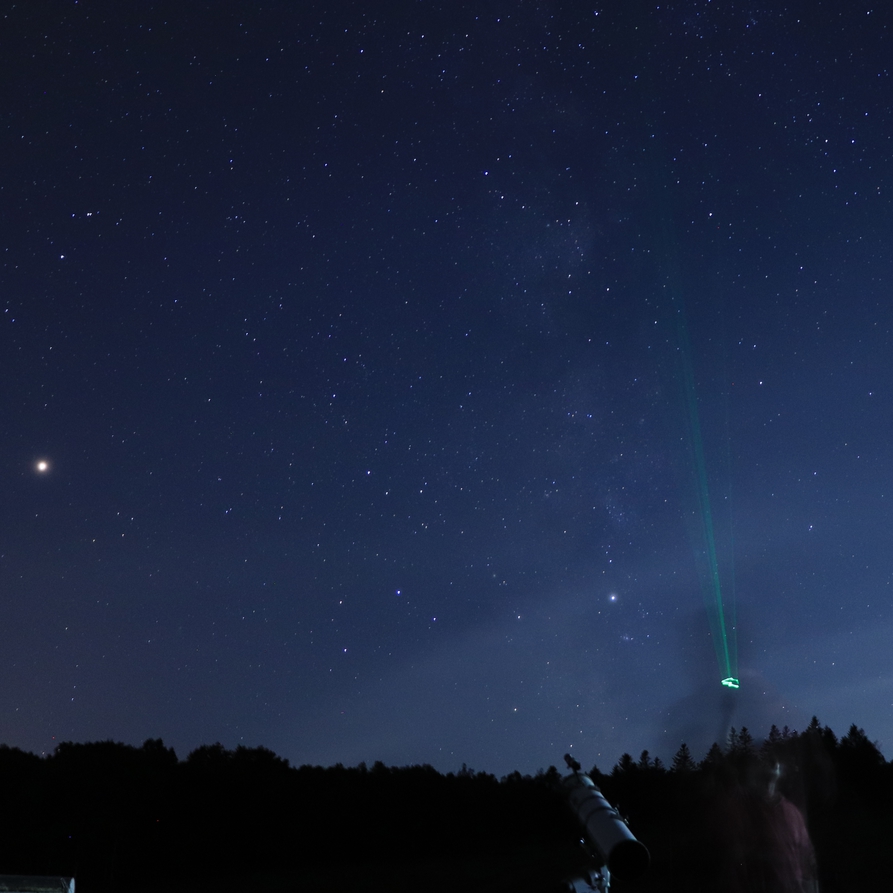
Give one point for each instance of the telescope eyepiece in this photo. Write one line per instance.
(572, 764)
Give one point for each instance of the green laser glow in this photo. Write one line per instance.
(715, 560)
(723, 633)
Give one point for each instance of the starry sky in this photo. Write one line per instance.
(353, 340)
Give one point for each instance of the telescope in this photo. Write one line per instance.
(619, 852)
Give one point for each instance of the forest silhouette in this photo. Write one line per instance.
(124, 819)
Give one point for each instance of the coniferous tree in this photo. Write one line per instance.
(714, 757)
(830, 740)
(814, 729)
(856, 747)
(625, 765)
(733, 740)
(682, 761)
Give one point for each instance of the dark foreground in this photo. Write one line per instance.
(774, 817)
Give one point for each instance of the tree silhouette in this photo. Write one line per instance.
(682, 760)
(128, 819)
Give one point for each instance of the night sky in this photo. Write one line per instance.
(354, 340)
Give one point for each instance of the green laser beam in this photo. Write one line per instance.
(720, 613)
(730, 602)
(723, 634)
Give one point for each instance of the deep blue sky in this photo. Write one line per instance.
(352, 340)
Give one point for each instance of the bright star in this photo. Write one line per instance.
(41, 466)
